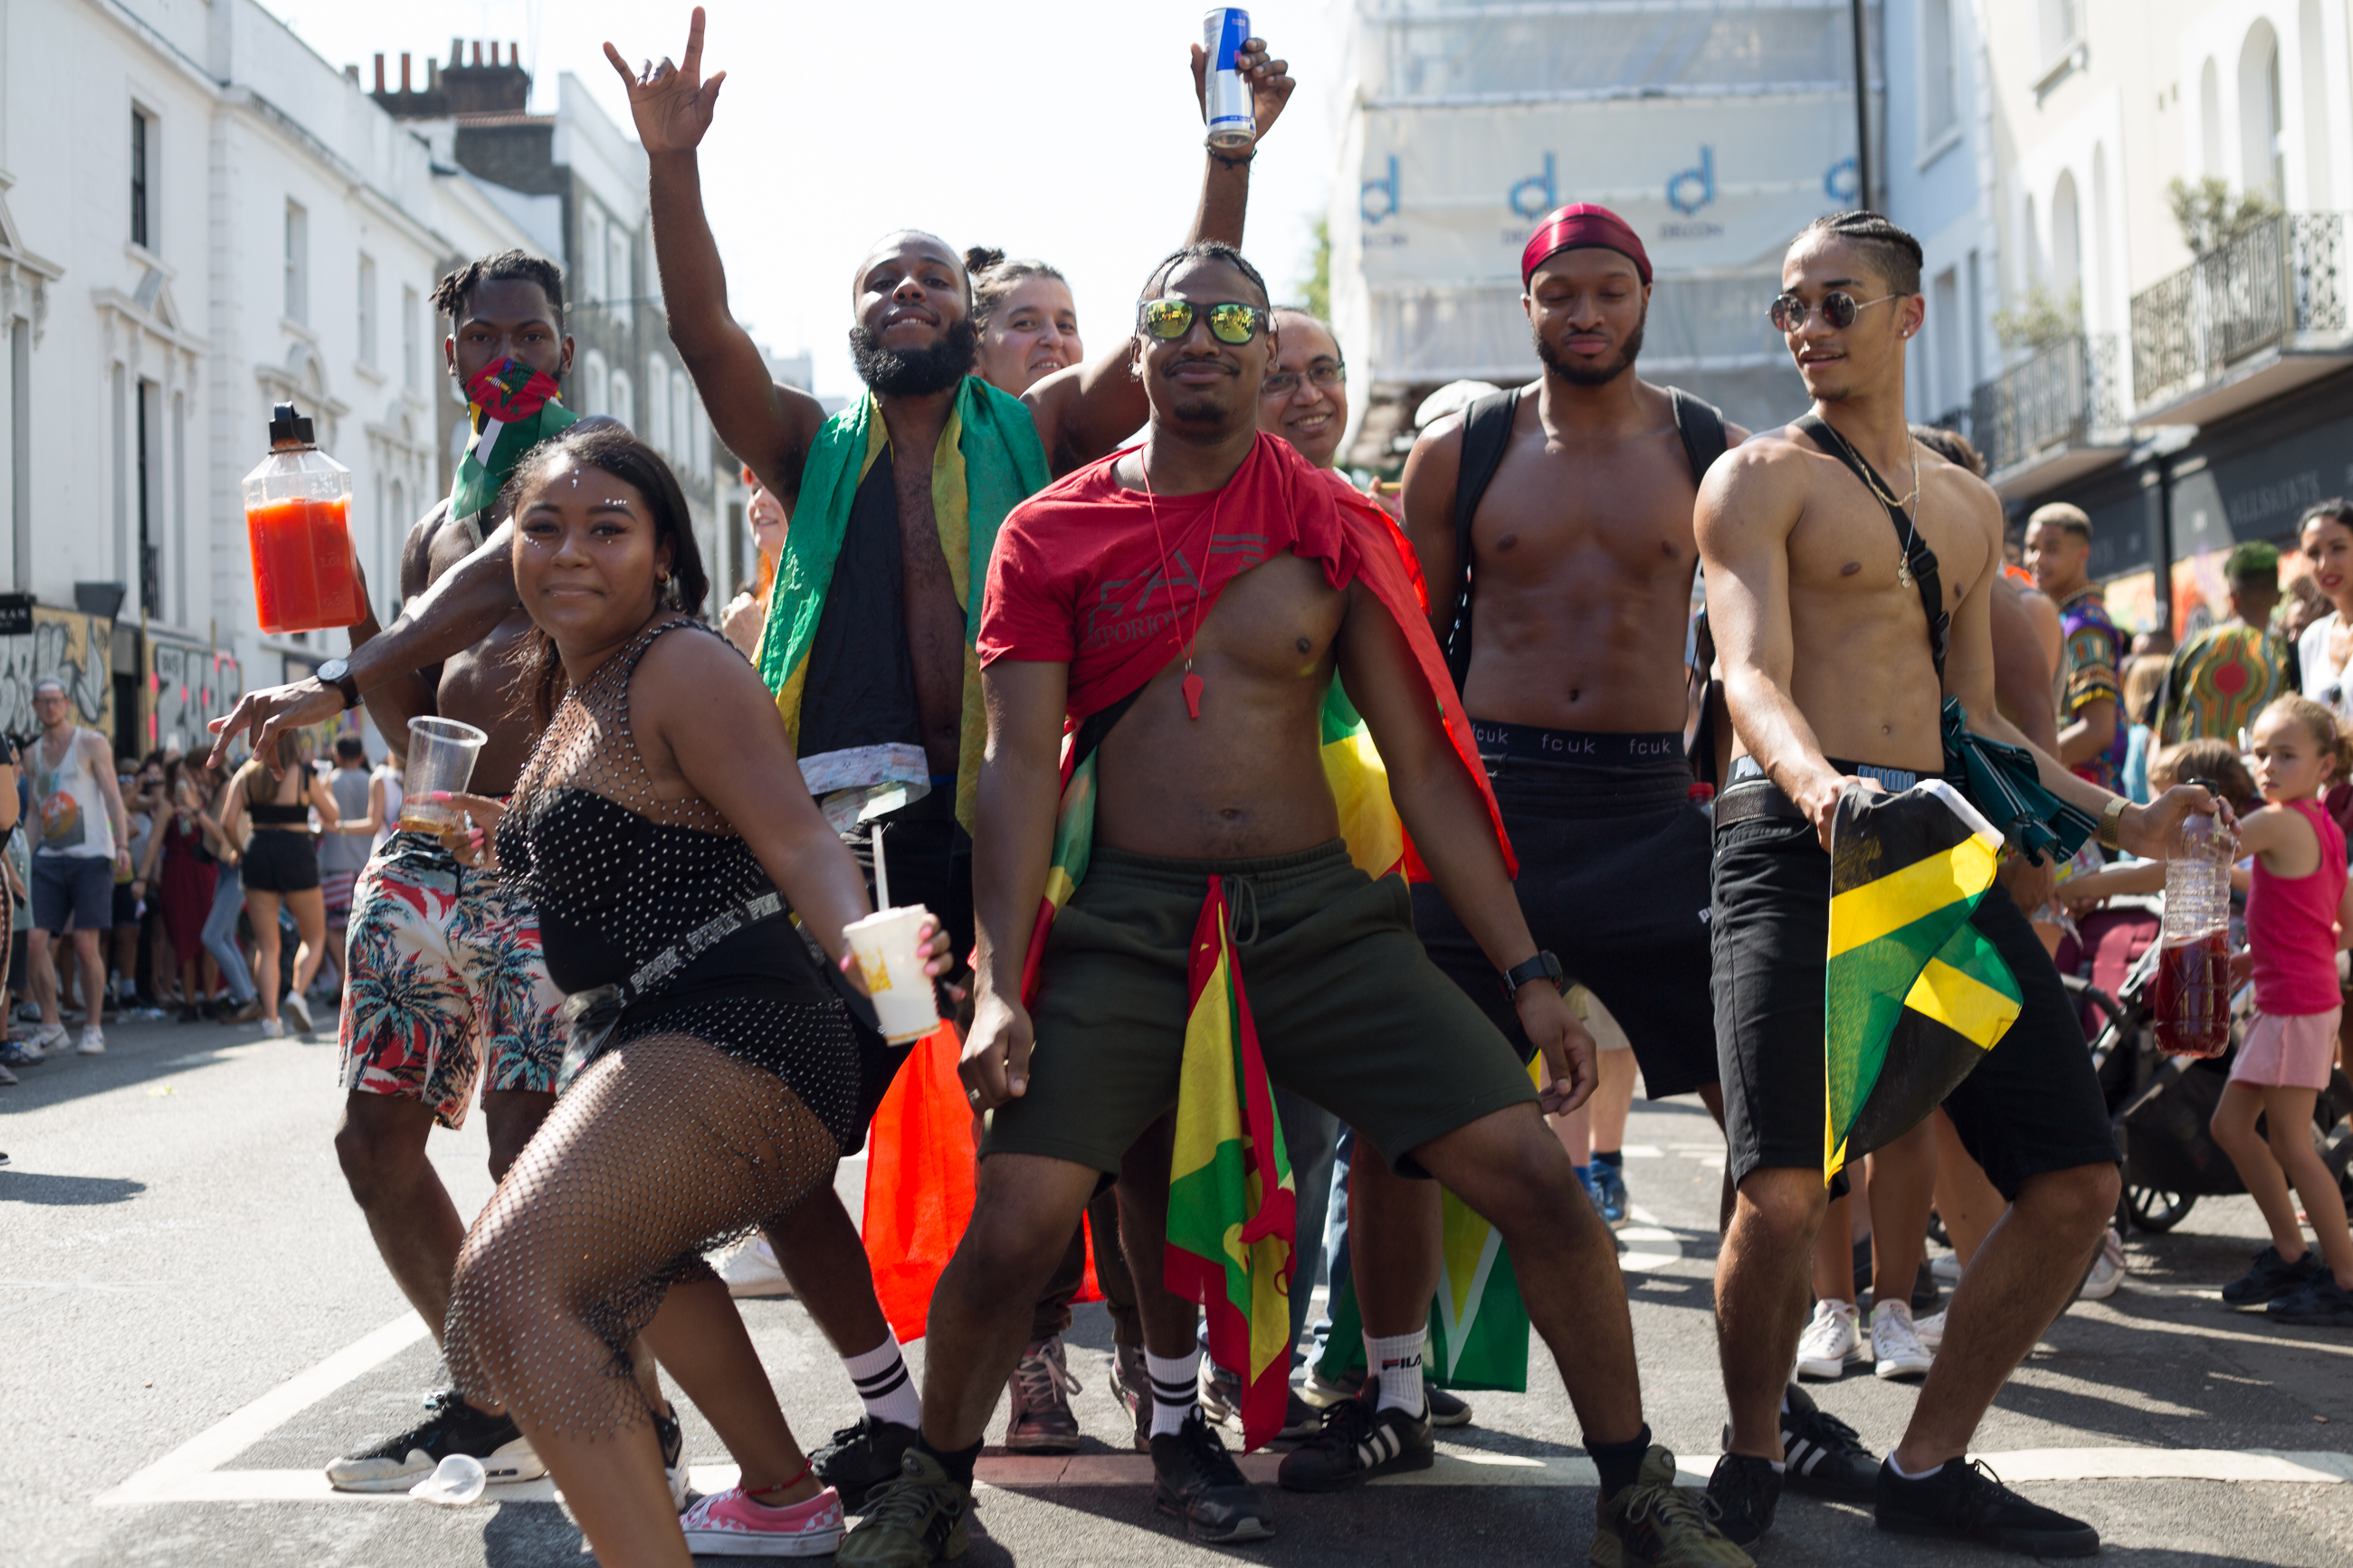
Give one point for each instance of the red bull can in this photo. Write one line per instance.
(1233, 124)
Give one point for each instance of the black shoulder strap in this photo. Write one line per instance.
(1486, 431)
(1700, 424)
(1921, 559)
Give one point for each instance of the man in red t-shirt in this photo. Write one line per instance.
(1186, 603)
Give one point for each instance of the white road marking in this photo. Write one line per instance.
(1649, 1243)
(1455, 1467)
(1643, 1152)
(231, 1435)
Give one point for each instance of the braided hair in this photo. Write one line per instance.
(1203, 250)
(1896, 253)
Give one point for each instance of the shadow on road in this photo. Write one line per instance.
(65, 1192)
(138, 1054)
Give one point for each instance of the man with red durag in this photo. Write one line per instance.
(1179, 611)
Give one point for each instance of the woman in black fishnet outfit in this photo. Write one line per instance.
(663, 793)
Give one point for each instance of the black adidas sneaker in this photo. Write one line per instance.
(1357, 1443)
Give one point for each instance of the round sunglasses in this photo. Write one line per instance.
(1231, 322)
(1838, 310)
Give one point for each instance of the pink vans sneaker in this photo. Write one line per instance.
(729, 1524)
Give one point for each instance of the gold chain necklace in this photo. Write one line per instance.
(1871, 479)
(1192, 684)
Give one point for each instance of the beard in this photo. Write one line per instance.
(915, 373)
(1577, 374)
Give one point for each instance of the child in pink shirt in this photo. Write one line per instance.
(2297, 918)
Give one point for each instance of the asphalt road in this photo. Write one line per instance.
(195, 1320)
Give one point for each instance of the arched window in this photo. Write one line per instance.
(2209, 121)
(587, 393)
(2312, 54)
(2066, 242)
(2033, 248)
(625, 404)
(2095, 286)
(656, 430)
(2261, 167)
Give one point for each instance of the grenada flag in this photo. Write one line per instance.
(1232, 1210)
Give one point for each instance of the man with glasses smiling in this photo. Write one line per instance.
(1841, 636)
(1186, 604)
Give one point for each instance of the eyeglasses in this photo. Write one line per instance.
(1230, 323)
(1284, 382)
(1838, 308)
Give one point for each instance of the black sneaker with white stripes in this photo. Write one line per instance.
(861, 1459)
(1825, 1456)
(1357, 1443)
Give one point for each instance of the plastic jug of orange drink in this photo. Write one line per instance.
(298, 505)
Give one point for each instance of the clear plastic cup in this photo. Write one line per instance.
(889, 945)
(441, 754)
(457, 1482)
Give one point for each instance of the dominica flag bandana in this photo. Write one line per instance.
(1915, 995)
(510, 408)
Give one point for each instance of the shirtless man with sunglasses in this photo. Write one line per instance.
(1827, 652)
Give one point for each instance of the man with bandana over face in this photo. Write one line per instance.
(868, 644)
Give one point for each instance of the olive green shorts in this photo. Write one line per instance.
(1351, 1013)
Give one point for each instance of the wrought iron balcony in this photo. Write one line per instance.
(2063, 400)
(2279, 285)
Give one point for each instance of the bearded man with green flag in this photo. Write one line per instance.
(869, 643)
(1861, 973)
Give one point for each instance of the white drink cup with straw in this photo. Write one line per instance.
(889, 944)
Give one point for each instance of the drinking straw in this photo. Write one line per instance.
(881, 872)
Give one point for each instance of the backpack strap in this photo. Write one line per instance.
(1700, 424)
(1920, 559)
(1486, 431)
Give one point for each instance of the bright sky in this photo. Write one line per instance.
(838, 125)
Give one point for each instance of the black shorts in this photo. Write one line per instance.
(1613, 878)
(930, 857)
(280, 860)
(2031, 1105)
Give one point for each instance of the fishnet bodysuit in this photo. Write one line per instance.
(721, 1099)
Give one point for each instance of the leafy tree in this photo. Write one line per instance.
(1316, 293)
(2211, 216)
(2039, 320)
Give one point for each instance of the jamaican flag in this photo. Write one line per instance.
(1915, 995)
(510, 408)
(1232, 1210)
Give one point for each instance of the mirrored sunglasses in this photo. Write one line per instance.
(1838, 310)
(1229, 321)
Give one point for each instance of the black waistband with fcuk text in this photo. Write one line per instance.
(1535, 743)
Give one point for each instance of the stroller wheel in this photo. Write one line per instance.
(2155, 1211)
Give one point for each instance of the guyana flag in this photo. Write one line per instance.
(1914, 996)
(1232, 1210)
(1478, 1324)
(510, 408)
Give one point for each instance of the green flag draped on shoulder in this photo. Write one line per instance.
(988, 462)
(1914, 996)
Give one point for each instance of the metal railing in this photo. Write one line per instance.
(2060, 396)
(2257, 290)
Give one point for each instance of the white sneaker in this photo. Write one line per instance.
(295, 1003)
(1946, 1269)
(2108, 1270)
(1895, 1341)
(47, 1039)
(1831, 1344)
(92, 1042)
(1931, 1330)
(271, 1029)
(752, 1271)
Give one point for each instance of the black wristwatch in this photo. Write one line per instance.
(337, 673)
(1543, 966)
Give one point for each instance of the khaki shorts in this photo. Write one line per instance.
(1351, 1013)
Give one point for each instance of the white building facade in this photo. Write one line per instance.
(202, 218)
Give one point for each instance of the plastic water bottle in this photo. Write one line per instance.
(2192, 997)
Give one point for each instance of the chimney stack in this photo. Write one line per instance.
(457, 52)
(404, 71)
(379, 71)
(352, 75)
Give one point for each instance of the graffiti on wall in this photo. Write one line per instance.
(78, 649)
(186, 688)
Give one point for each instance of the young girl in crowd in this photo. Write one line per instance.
(2297, 915)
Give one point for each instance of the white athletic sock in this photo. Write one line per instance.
(1396, 1361)
(880, 1376)
(1176, 1390)
(1907, 1475)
